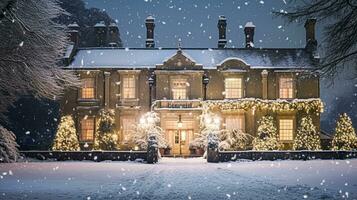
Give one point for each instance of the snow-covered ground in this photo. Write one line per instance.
(177, 178)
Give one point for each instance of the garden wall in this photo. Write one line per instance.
(225, 156)
(86, 155)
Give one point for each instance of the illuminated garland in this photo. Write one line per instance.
(307, 105)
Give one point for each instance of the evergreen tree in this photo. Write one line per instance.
(106, 137)
(345, 135)
(267, 135)
(8, 146)
(307, 137)
(66, 137)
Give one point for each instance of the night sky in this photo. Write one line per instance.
(194, 22)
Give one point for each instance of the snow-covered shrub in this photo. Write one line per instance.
(148, 126)
(210, 132)
(106, 138)
(345, 135)
(66, 138)
(234, 140)
(307, 137)
(8, 146)
(267, 135)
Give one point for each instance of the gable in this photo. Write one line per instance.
(179, 61)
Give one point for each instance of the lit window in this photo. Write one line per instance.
(87, 91)
(286, 129)
(127, 127)
(233, 88)
(87, 129)
(235, 123)
(285, 88)
(179, 89)
(129, 87)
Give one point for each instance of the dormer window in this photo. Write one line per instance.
(233, 88)
(286, 88)
(179, 88)
(88, 89)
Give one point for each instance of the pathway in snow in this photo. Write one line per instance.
(178, 178)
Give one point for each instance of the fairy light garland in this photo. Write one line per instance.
(279, 105)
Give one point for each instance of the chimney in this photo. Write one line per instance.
(73, 31)
(100, 34)
(222, 24)
(113, 36)
(150, 25)
(249, 34)
(311, 42)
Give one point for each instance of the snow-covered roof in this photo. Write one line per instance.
(88, 58)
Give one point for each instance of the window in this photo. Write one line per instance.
(233, 88)
(129, 87)
(127, 127)
(235, 123)
(286, 88)
(87, 129)
(286, 129)
(87, 91)
(179, 89)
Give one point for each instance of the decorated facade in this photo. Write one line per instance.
(239, 85)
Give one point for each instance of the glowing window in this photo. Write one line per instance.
(87, 90)
(179, 89)
(286, 129)
(235, 123)
(129, 87)
(127, 127)
(233, 88)
(87, 129)
(286, 88)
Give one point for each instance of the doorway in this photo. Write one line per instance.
(180, 141)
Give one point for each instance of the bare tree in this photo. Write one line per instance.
(31, 46)
(340, 17)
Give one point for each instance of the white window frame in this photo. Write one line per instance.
(83, 122)
(128, 86)
(179, 90)
(235, 90)
(284, 134)
(235, 122)
(286, 87)
(87, 88)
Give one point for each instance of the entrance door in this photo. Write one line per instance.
(180, 143)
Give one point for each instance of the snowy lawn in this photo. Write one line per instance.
(177, 178)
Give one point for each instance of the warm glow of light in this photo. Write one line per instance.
(142, 120)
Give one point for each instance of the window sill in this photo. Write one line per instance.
(88, 142)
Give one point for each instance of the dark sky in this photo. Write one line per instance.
(195, 22)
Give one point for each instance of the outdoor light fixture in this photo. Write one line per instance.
(179, 123)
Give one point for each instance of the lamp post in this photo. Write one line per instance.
(151, 81)
(179, 125)
(205, 81)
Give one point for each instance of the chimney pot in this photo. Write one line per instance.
(150, 26)
(101, 34)
(222, 24)
(249, 34)
(311, 42)
(113, 38)
(73, 31)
